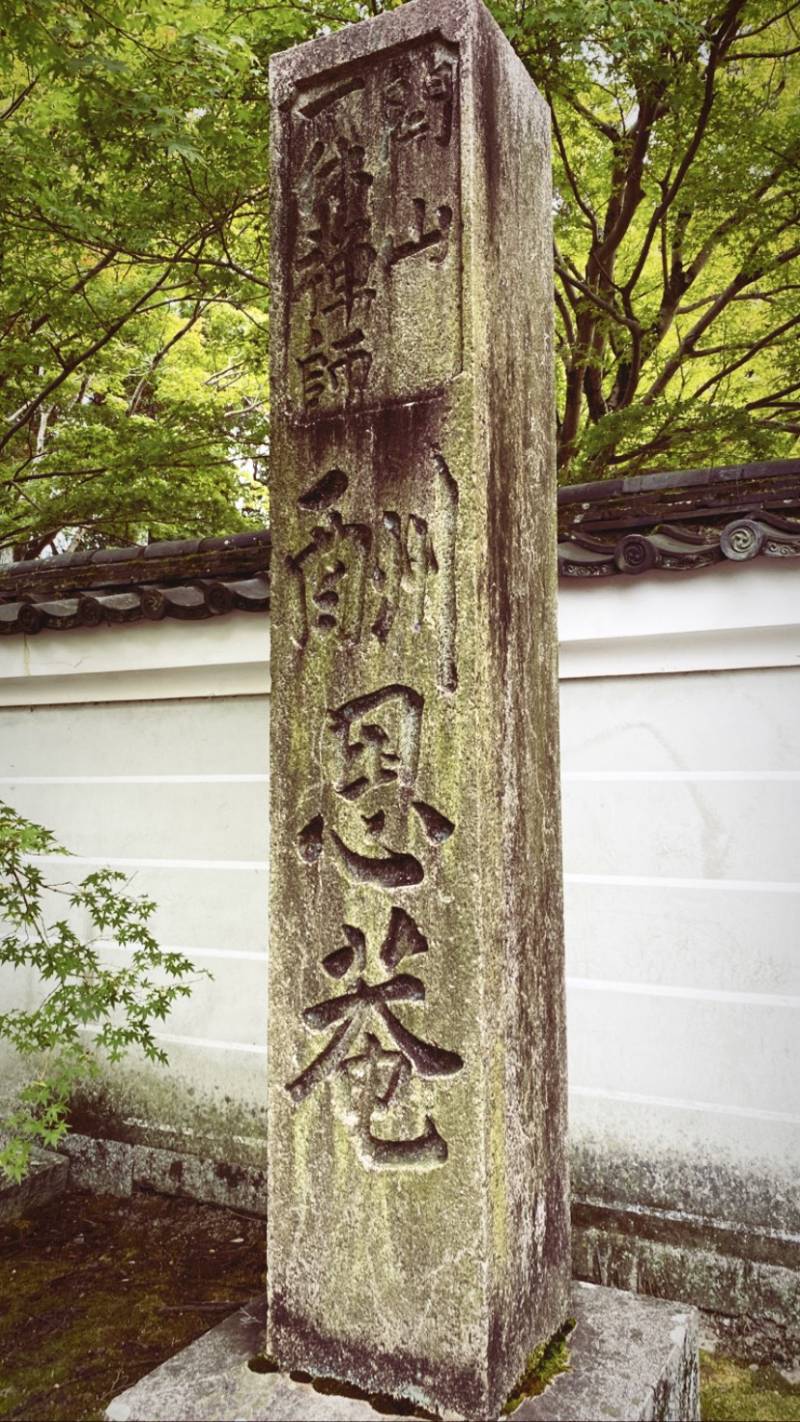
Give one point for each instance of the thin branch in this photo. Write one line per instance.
(772, 424)
(773, 20)
(760, 345)
(19, 100)
(773, 399)
(159, 356)
(565, 317)
(762, 54)
(741, 280)
(83, 474)
(73, 290)
(720, 44)
(591, 295)
(77, 361)
(743, 296)
(606, 129)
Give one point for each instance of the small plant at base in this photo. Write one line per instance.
(544, 1363)
(116, 1006)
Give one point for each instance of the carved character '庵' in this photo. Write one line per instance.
(375, 1077)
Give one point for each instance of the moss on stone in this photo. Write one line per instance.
(734, 1391)
(543, 1364)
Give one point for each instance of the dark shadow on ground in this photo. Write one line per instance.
(95, 1292)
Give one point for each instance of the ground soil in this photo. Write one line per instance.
(733, 1390)
(95, 1292)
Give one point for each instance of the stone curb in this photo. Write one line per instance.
(46, 1180)
(110, 1167)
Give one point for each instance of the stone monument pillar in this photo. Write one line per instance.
(418, 1194)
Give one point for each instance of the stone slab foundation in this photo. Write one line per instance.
(110, 1167)
(46, 1180)
(629, 1357)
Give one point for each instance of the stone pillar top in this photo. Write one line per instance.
(417, 18)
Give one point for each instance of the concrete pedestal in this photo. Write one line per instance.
(630, 1357)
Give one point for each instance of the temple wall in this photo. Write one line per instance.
(146, 747)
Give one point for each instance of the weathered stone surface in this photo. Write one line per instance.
(742, 1273)
(214, 1182)
(614, 1174)
(419, 1235)
(630, 1358)
(104, 1167)
(210, 1381)
(46, 1179)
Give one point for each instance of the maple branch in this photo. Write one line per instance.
(76, 361)
(742, 279)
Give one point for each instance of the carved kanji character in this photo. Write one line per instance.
(332, 266)
(329, 580)
(419, 239)
(438, 86)
(376, 1076)
(370, 759)
(417, 102)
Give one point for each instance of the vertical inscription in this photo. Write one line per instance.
(374, 577)
(369, 761)
(372, 1077)
(373, 259)
(375, 233)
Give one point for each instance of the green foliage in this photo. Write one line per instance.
(543, 1364)
(134, 248)
(116, 1004)
(676, 131)
(133, 331)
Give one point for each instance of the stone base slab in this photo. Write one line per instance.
(630, 1357)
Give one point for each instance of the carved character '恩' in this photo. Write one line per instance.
(370, 754)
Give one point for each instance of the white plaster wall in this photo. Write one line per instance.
(147, 748)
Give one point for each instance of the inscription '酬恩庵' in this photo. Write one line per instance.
(373, 241)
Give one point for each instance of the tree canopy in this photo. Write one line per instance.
(676, 133)
(134, 303)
